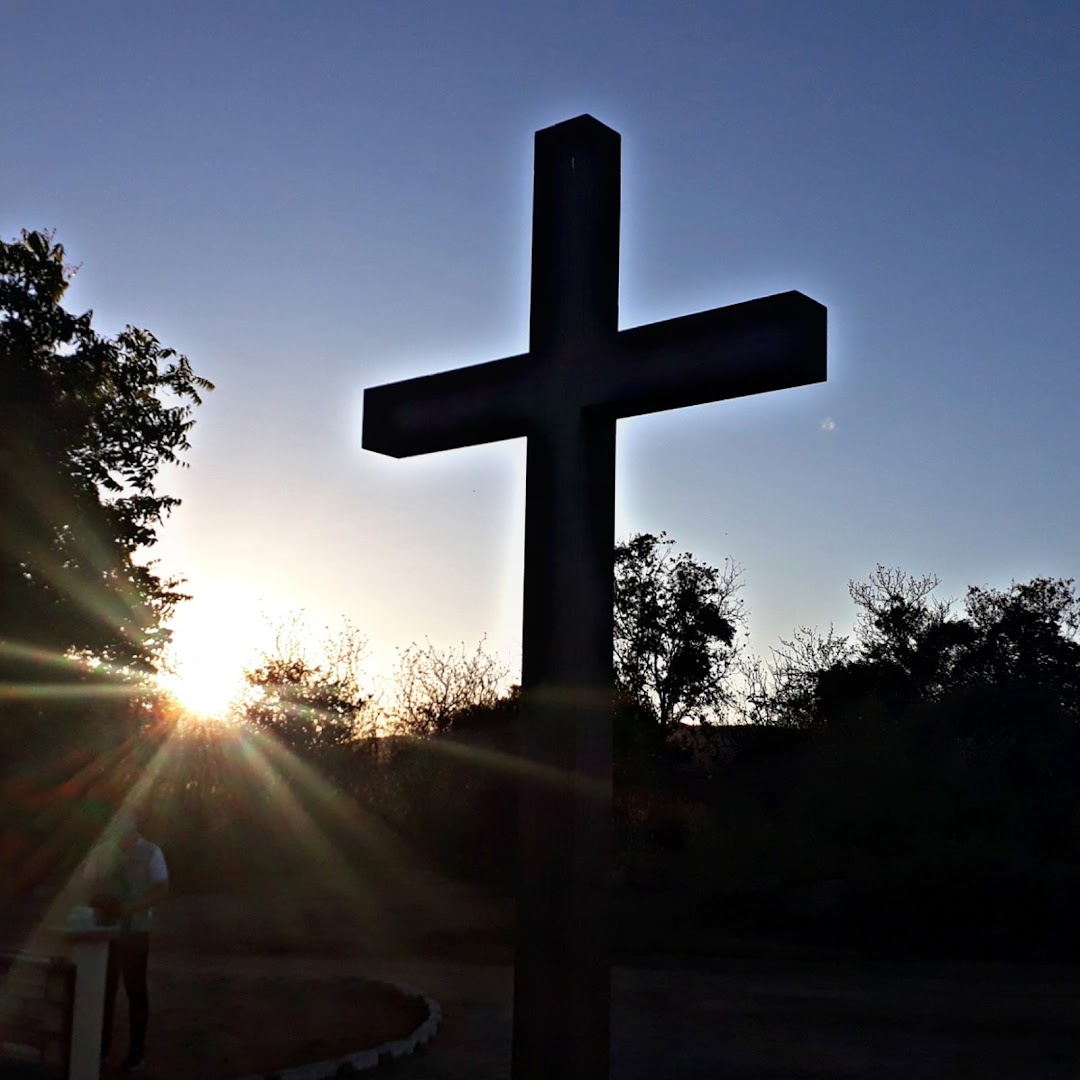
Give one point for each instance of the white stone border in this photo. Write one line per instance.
(362, 1060)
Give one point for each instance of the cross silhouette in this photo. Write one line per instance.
(564, 395)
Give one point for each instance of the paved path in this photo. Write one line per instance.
(754, 1024)
(769, 1017)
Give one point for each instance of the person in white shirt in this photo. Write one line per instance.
(128, 876)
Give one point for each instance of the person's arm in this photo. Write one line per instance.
(159, 879)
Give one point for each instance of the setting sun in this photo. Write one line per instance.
(204, 687)
(215, 637)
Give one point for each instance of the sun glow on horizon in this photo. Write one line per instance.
(216, 636)
(203, 690)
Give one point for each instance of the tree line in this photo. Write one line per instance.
(917, 776)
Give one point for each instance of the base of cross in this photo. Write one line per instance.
(562, 980)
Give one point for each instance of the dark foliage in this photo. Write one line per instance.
(86, 425)
(313, 705)
(675, 632)
(925, 793)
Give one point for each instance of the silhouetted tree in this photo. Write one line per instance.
(86, 423)
(675, 631)
(436, 686)
(1025, 637)
(783, 690)
(913, 652)
(901, 626)
(938, 776)
(311, 699)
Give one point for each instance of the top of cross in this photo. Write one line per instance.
(578, 358)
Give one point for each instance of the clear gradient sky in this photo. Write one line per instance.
(308, 199)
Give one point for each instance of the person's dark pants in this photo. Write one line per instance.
(128, 955)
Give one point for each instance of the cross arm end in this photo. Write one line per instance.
(772, 343)
(465, 407)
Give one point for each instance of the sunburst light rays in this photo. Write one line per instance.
(77, 815)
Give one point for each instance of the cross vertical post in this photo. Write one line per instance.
(561, 972)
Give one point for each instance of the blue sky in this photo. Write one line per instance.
(308, 199)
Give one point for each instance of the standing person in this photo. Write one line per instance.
(128, 876)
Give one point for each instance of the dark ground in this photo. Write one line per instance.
(237, 981)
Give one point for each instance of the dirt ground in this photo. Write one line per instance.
(222, 1025)
(241, 984)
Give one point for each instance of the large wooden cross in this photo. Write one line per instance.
(564, 395)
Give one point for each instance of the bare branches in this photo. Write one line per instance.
(782, 692)
(435, 686)
(309, 697)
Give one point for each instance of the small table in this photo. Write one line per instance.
(88, 949)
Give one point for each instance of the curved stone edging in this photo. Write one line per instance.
(362, 1060)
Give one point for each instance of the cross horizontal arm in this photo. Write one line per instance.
(471, 405)
(772, 343)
